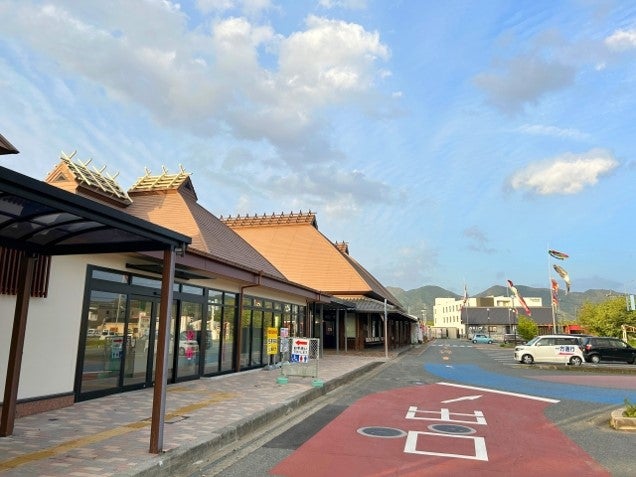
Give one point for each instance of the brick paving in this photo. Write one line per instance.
(110, 436)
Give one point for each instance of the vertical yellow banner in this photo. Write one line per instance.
(272, 340)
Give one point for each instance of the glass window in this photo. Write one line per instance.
(110, 276)
(227, 338)
(103, 348)
(189, 339)
(215, 297)
(230, 299)
(146, 282)
(214, 326)
(257, 339)
(192, 290)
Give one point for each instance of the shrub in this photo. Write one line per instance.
(630, 409)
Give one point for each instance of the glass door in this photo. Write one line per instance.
(142, 313)
(190, 339)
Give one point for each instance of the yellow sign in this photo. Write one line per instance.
(272, 340)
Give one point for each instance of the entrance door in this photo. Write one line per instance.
(141, 343)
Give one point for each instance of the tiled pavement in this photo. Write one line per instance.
(110, 436)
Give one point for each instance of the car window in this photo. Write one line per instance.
(567, 341)
(532, 341)
(619, 344)
(546, 342)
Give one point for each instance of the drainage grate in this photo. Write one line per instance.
(451, 429)
(386, 432)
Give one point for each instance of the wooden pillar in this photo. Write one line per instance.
(25, 279)
(163, 342)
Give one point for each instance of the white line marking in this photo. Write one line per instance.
(410, 446)
(506, 393)
(463, 398)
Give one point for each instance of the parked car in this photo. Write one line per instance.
(606, 348)
(481, 338)
(188, 345)
(512, 338)
(565, 349)
(108, 334)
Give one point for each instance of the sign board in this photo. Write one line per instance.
(300, 350)
(272, 340)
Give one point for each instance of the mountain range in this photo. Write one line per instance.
(423, 298)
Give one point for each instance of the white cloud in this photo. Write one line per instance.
(213, 81)
(524, 80)
(566, 174)
(542, 130)
(345, 4)
(621, 40)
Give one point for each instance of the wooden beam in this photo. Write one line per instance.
(163, 343)
(7, 421)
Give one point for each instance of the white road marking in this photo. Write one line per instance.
(463, 398)
(506, 393)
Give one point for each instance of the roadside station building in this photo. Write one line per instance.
(95, 315)
(293, 243)
(93, 321)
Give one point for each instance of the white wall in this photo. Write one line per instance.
(52, 334)
(53, 323)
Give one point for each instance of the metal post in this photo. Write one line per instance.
(386, 328)
(488, 310)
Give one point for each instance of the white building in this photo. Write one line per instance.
(451, 316)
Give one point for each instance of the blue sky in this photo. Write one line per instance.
(447, 142)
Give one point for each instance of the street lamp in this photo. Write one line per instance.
(488, 311)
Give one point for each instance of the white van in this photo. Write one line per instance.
(551, 349)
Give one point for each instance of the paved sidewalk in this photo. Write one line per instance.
(110, 436)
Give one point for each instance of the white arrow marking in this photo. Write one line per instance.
(463, 398)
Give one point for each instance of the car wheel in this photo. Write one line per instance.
(474, 341)
(527, 359)
(575, 361)
(489, 341)
(595, 358)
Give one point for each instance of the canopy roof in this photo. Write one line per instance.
(43, 219)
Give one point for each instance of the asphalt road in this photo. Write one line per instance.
(564, 431)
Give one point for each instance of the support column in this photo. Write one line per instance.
(163, 342)
(14, 365)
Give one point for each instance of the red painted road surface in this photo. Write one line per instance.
(441, 429)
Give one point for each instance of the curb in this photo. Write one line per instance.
(622, 423)
(170, 462)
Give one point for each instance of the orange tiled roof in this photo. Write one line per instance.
(294, 245)
(171, 202)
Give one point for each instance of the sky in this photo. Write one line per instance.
(449, 143)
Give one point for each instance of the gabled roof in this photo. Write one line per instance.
(165, 181)
(77, 177)
(169, 200)
(303, 254)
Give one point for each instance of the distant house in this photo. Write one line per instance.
(491, 315)
(293, 243)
